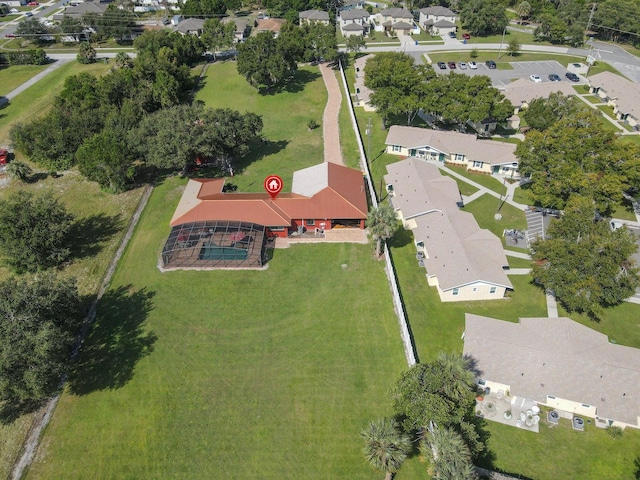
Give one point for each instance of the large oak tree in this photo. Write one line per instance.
(586, 264)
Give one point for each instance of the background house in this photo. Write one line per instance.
(558, 363)
(241, 23)
(461, 149)
(190, 26)
(619, 93)
(272, 25)
(463, 261)
(396, 21)
(313, 16)
(437, 20)
(354, 22)
(522, 91)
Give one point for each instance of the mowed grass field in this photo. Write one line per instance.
(38, 98)
(229, 374)
(285, 113)
(12, 77)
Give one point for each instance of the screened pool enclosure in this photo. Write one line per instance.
(215, 244)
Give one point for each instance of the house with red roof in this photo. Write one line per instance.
(209, 222)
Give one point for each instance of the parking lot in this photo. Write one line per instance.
(500, 78)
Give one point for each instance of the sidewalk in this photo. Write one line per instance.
(55, 65)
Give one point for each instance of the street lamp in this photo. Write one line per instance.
(501, 42)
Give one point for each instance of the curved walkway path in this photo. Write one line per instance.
(330, 126)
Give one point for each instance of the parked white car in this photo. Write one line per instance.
(462, 65)
(473, 65)
(535, 78)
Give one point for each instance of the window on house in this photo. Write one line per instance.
(276, 229)
(455, 291)
(310, 222)
(459, 157)
(475, 289)
(477, 164)
(397, 148)
(492, 290)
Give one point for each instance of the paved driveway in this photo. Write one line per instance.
(520, 70)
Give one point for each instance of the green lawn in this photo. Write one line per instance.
(465, 188)
(516, 262)
(12, 77)
(481, 178)
(592, 99)
(484, 209)
(289, 144)
(522, 195)
(563, 453)
(229, 374)
(582, 89)
(629, 138)
(348, 142)
(38, 98)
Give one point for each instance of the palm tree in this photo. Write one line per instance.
(386, 447)
(457, 378)
(448, 455)
(19, 170)
(382, 223)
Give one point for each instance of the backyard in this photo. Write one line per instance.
(222, 374)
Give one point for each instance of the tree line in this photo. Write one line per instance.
(402, 88)
(266, 61)
(114, 126)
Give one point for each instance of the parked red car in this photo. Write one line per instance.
(466, 36)
(10, 35)
(33, 4)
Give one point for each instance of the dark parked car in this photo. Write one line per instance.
(554, 78)
(442, 65)
(452, 65)
(452, 34)
(572, 76)
(490, 64)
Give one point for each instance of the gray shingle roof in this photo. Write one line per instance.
(557, 356)
(316, 15)
(459, 251)
(524, 90)
(437, 10)
(397, 13)
(352, 27)
(625, 92)
(444, 23)
(190, 25)
(354, 14)
(488, 151)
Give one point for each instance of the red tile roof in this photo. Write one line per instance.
(341, 197)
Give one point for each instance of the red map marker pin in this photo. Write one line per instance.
(273, 185)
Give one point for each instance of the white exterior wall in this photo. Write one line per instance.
(467, 293)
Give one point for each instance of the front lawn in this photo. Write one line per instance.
(285, 113)
(485, 208)
(483, 179)
(13, 77)
(229, 374)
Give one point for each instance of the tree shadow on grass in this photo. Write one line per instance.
(259, 149)
(116, 342)
(293, 85)
(90, 233)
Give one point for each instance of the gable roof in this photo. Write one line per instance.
(353, 26)
(625, 92)
(190, 25)
(459, 251)
(270, 24)
(323, 191)
(86, 7)
(397, 13)
(240, 22)
(557, 356)
(316, 15)
(488, 151)
(438, 10)
(524, 91)
(354, 14)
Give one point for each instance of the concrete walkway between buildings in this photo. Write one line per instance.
(518, 271)
(330, 124)
(511, 187)
(512, 253)
(552, 305)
